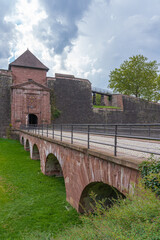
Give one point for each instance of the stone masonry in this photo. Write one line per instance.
(5, 101)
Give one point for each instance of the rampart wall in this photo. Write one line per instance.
(5, 105)
(132, 110)
(73, 98)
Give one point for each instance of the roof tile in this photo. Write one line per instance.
(27, 59)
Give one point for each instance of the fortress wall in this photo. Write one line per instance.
(73, 98)
(134, 110)
(5, 101)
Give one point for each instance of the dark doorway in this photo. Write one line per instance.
(33, 119)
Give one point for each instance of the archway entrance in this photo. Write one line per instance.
(33, 119)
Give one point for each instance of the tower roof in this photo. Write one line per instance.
(27, 59)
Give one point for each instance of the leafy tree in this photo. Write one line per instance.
(98, 99)
(136, 77)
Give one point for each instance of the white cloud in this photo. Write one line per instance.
(111, 32)
(87, 38)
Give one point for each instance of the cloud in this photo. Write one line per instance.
(87, 38)
(6, 32)
(111, 32)
(60, 28)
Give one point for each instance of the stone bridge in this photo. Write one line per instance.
(84, 170)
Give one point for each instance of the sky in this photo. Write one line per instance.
(86, 38)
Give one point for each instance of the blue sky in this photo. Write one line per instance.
(87, 38)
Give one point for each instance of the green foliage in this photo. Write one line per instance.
(55, 112)
(137, 77)
(32, 205)
(136, 218)
(8, 131)
(98, 99)
(150, 172)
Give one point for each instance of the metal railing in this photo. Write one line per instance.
(96, 134)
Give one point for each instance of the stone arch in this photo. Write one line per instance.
(102, 191)
(52, 166)
(27, 147)
(35, 153)
(22, 140)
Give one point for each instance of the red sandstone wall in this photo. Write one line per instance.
(40, 106)
(21, 75)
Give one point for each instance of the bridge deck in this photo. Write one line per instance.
(105, 144)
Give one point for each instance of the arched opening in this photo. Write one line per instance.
(35, 153)
(22, 140)
(27, 145)
(102, 191)
(53, 167)
(33, 119)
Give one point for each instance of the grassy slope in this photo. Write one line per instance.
(29, 201)
(137, 218)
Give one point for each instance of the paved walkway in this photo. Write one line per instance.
(104, 144)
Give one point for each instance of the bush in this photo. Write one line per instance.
(134, 218)
(150, 172)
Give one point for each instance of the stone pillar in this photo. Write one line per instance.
(94, 98)
(102, 100)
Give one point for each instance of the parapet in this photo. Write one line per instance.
(67, 77)
(5, 72)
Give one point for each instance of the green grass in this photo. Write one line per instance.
(135, 218)
(110, 107)
(32, 205)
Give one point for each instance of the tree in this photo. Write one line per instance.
(136, 77)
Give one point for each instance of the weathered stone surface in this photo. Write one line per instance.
(73, 98)
(22, 74)
(131, 110)
(5, 105)
(30, 98)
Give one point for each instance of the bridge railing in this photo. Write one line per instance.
(101, 134)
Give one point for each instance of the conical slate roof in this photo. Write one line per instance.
(27, 59)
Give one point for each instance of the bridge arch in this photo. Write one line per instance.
(35, 153)
(52, 166)
(22, 140)
(27, 146)
(101, 191)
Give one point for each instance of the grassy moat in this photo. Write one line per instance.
(29, 201)
(33, 206)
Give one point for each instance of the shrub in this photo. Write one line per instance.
(136, 218)
(150, 172)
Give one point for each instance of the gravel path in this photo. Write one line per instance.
(105, 144)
